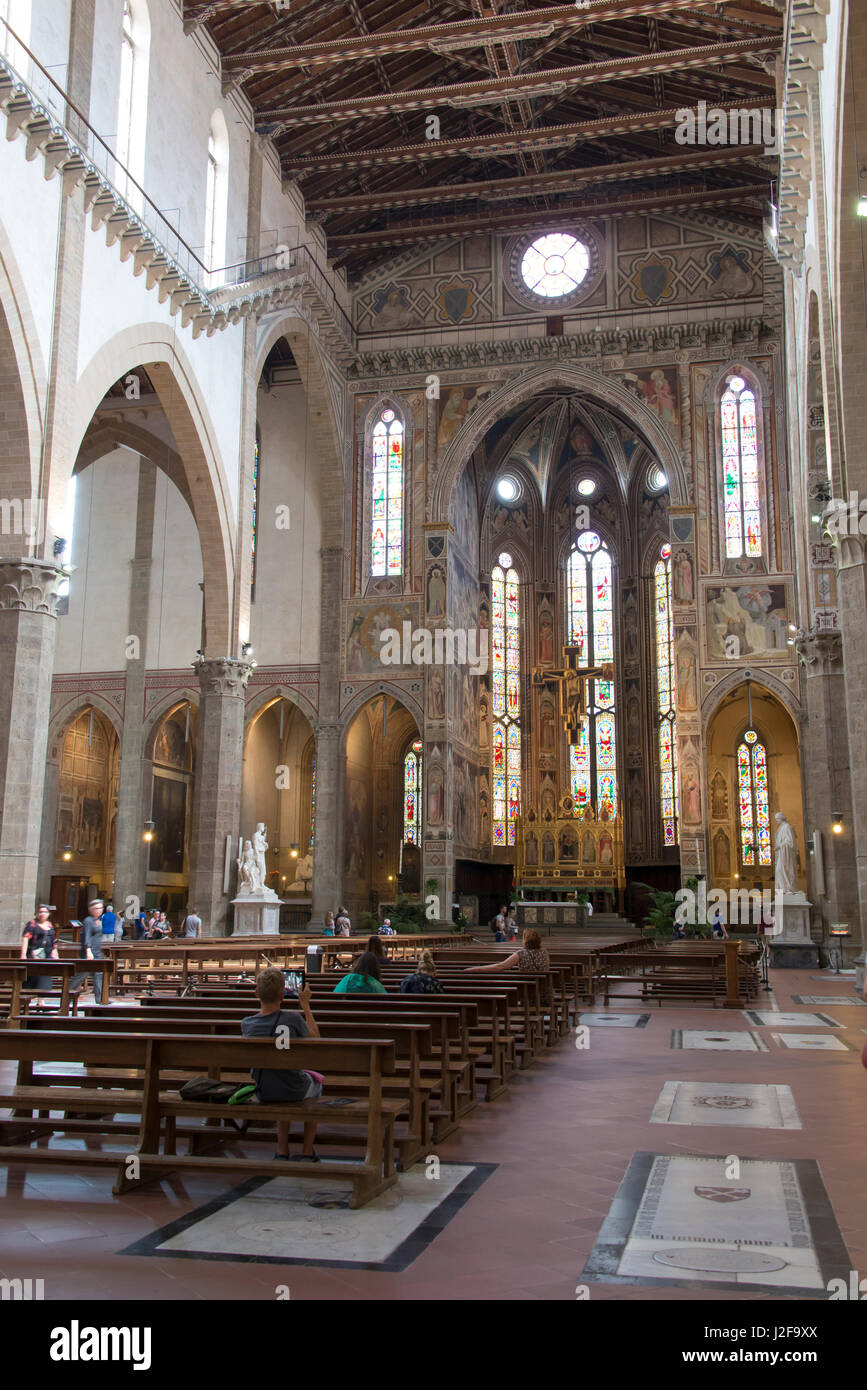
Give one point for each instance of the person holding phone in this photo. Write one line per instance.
(276, 1087)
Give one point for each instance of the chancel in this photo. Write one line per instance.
(433, 608)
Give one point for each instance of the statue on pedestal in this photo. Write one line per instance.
(785, 858)
(260, 845)
(247, 871)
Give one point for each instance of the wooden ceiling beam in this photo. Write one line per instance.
(564, 180)
(469, 33)
(495, 90)
(513, 220)
(498, 145)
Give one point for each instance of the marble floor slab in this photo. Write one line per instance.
(834, 1001)
(831, 975)
(690, 1221)
(611, 1020)
(299, 1221)
(811, 1042)
(729, 1103)
(717, 1040)
(779, 1018)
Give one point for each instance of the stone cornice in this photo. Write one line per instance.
(610, 350)
(803, 59)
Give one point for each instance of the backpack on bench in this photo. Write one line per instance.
(206, 1090)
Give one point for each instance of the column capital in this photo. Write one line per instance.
(29, 585)
(327, 729)
(820, 652)
(222, 675)
(851, 550)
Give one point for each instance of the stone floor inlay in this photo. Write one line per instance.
(730, 1103)
(835, 1001)
(615, 1020)
(811, 1042)
(297, 1221)
(780, 1019)
(690, 1221)
(717, 1040)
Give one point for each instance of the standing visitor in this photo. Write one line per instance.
(39, 943)
(498, 924)
(192, 925)
(343, 926)
(329, 924)
(90, 947)
(109, 922)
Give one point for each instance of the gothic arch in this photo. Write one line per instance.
(772, 685)
(23, 374)
(104, 436)
(324, 400)
(159, 351)
(371, 692)
(581, 380)
(157, 713)
(261, 700)
(78, 703)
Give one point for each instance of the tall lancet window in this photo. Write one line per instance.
(386, 526)
(753, 801)
(590, 627)
(665, 698)
(506, 700)
(743, 519)
(412, 785)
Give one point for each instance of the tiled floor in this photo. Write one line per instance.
(542, 1167)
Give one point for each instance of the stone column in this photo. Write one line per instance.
(28, 601)
(217, 792)
(825, 760)
(327, 870)
(130, 856)
(48, 834)
(327, 856)
(852, 588)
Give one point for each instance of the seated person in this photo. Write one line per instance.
(375, 945)
(424, 979)
(328, 929)
(387, 929)
(530, 960)
(364, 979)
(275, 1087)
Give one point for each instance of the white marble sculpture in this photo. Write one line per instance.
(785, 858)
(303, 875)
(247, 871)
(260, 845)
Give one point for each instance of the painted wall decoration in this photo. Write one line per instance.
(722, 858)
(719, 797)
(436, 592)
(658, 387)
(755, 613)
(357, 828)
(169, 810)
(682, 582)
(364, 627)
(455, 404)
(663, 262)
(452, 287)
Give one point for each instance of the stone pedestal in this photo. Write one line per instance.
(256, 915)
(790, 943)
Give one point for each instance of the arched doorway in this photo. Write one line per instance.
(753, 771)
(279, 789)
(173, 758)
(83, 849)
(377, 742)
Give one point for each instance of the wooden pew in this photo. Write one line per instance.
(159, 1108)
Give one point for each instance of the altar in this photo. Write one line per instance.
(569, 851)
(546, 915)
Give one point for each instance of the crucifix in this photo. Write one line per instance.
(572, 682)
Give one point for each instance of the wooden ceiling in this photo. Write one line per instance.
(545, 112)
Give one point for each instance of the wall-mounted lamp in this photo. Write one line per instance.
(149, 827)
(837, 823)
(67, 852)
(293, 852)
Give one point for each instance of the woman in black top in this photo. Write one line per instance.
(39, 942)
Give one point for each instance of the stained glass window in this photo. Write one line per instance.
(412, 785)
(255, 514)
(743, 521)
(506, 698)
(753, 801)
(386, 525)
(665, 697)
(312, 802)
(590, 627)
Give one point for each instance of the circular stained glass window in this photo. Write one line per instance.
(750, 736)
(587, 487)
(387, 416)
(505, 560)
(555, 265)
(665, 552)
(588, 542)
(737, 383)
(507, 489)
(656, 478)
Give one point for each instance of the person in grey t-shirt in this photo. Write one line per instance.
(90, 945)
(192, 924)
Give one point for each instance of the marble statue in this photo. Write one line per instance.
(785, 857)
(247, 871)
(260, 845)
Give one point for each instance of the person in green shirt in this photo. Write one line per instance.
(364, 979)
